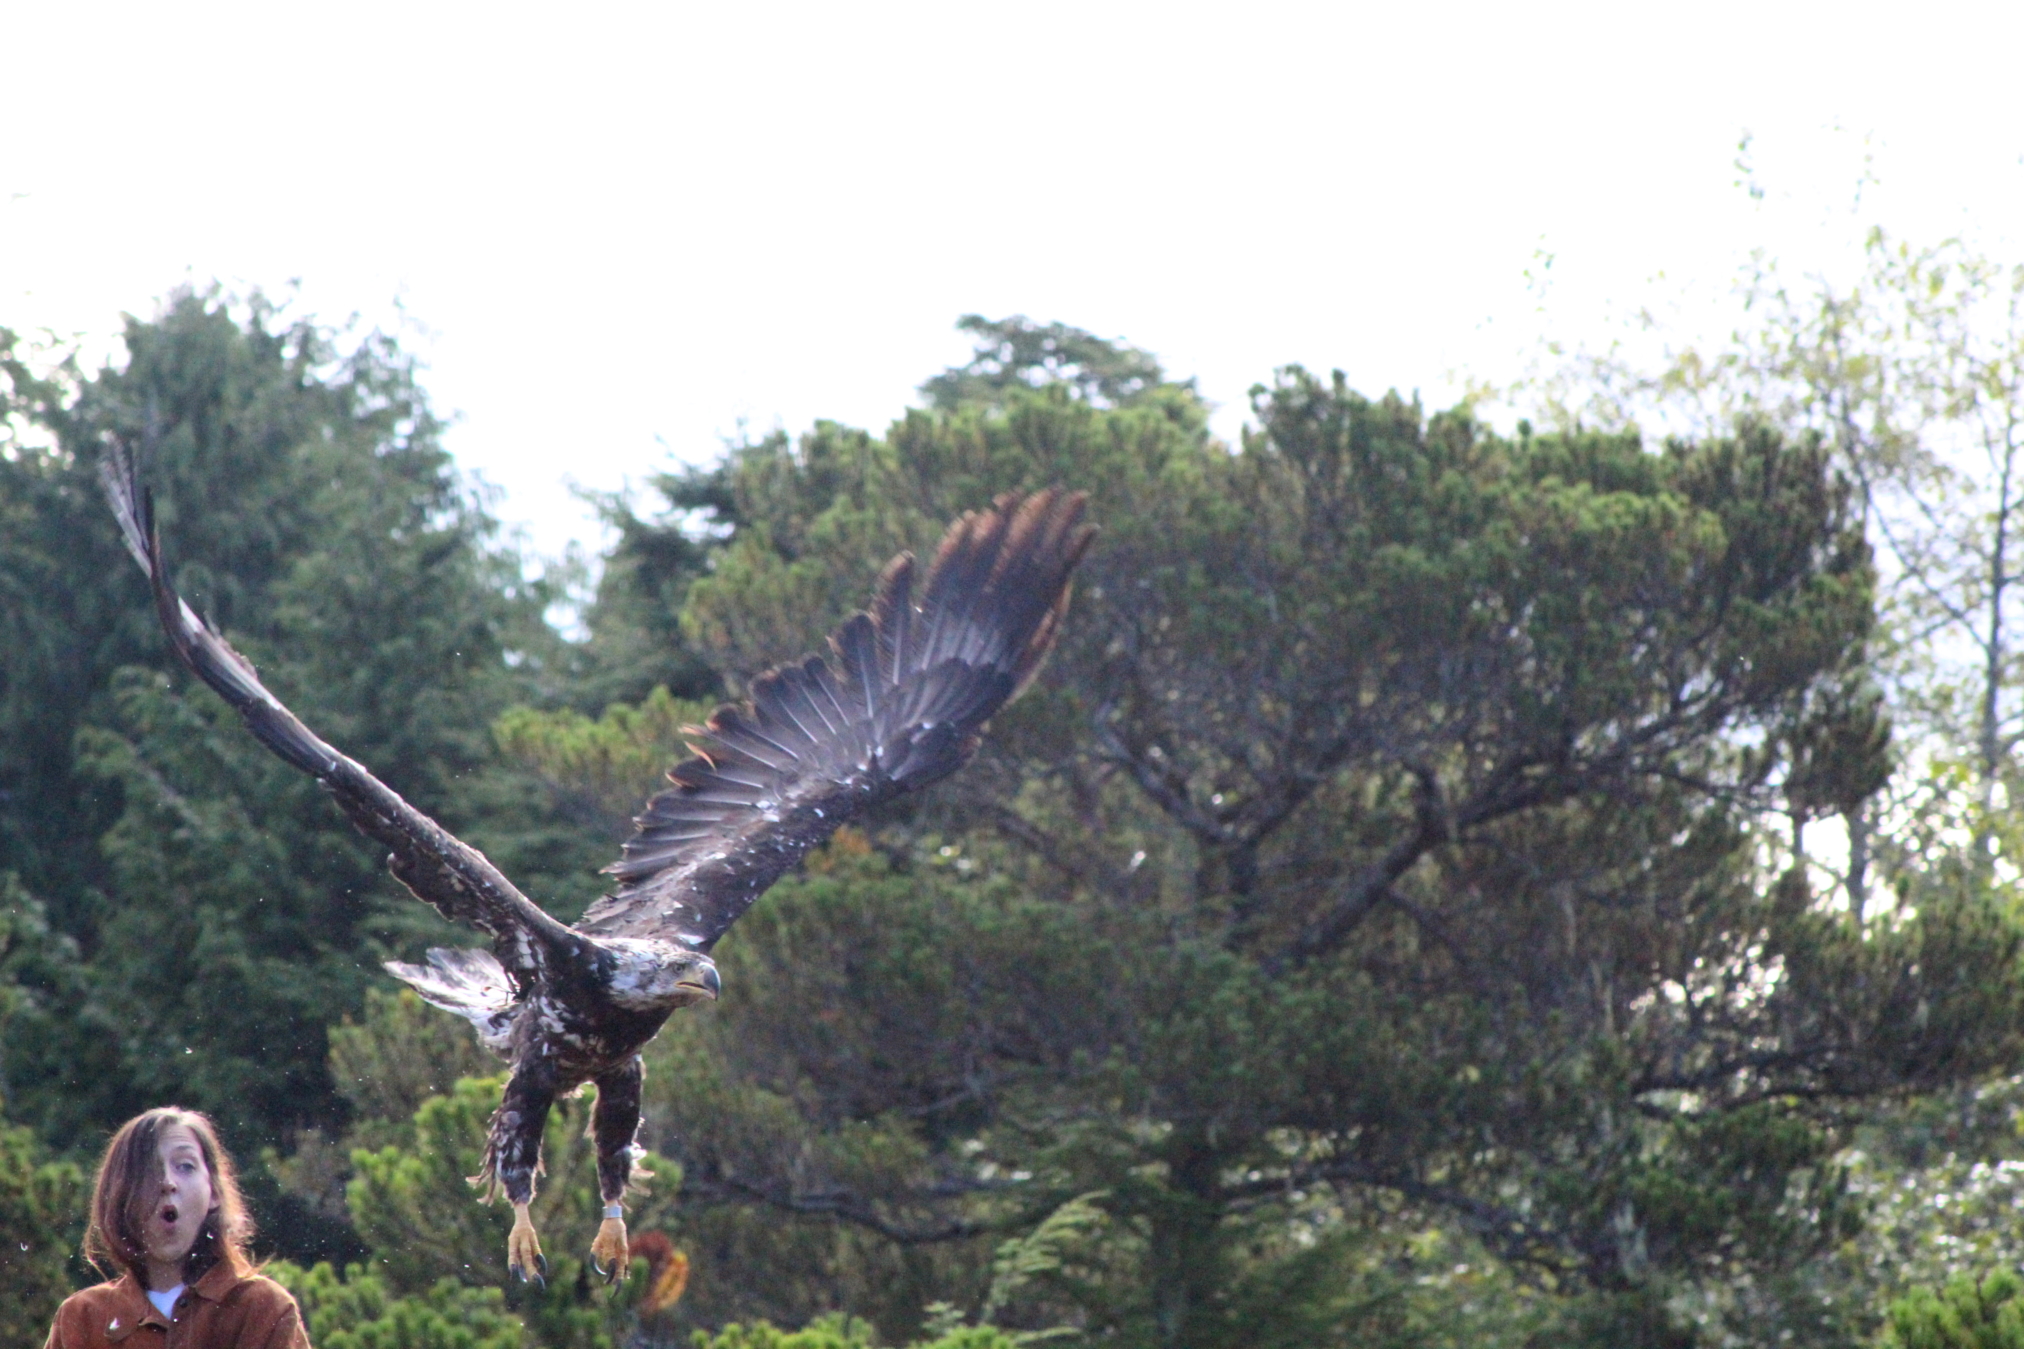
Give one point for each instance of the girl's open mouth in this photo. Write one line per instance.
(169, 1214)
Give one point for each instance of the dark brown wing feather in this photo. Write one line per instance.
(911, 687)
(447, 873)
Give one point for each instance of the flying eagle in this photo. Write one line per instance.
(900, 703)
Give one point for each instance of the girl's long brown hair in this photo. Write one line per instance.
(131, 1176)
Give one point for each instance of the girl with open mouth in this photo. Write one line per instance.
(168, 1223)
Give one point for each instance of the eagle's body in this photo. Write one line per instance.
(913, 683)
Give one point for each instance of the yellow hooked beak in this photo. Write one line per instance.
(702, 980)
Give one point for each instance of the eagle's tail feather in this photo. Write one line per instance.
(470, 982)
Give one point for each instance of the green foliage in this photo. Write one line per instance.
(1379, 835)
(395, 1058)
(42, 985)
(1935, 1223)
(310, 509)
(1048, 1255)
(434, 1265)
(436, 1259)
(601, 770)
(842, 1332)
(358, 1312)
(413, 1208)
(636, 642)
(41, 1225)
(1963, 1315)
(1366, 933)
(1910, 367)
(1018, 354)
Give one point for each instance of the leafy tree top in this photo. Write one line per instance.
(1017, 353)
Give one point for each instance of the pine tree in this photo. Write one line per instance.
(1380, 850)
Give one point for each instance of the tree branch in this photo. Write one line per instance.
(840, 1204)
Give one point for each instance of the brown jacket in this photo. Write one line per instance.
(229, 1308)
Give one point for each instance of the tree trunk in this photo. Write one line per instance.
(1185, 1248)
(1857, 821)
(1992, 675)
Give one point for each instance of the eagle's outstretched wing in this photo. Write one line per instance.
(913, 683)
(449, 874)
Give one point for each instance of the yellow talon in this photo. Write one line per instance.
(523, 1248)
(608, 1250)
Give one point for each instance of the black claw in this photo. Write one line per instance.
(612, 1278)
(517, 1272)
(542, 1261)
(600, 1269)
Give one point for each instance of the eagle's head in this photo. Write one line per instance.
(696, 979)
(653, 975)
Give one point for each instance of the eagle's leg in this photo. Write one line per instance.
(615, 1125)
(513, 1158)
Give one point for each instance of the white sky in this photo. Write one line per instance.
(618, 231)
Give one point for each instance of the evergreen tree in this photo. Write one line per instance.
(1966, 1314)
(635, 641)
(1381, 842)
(1910, 367)
(222, 914)
(1018, 354)
(433, 1264)
(1370, 930)
(42, 1216)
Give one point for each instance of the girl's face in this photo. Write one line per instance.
(178, 1212)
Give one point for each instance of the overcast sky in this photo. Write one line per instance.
(618, 233)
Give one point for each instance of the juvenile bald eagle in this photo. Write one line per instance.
(900, 703)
